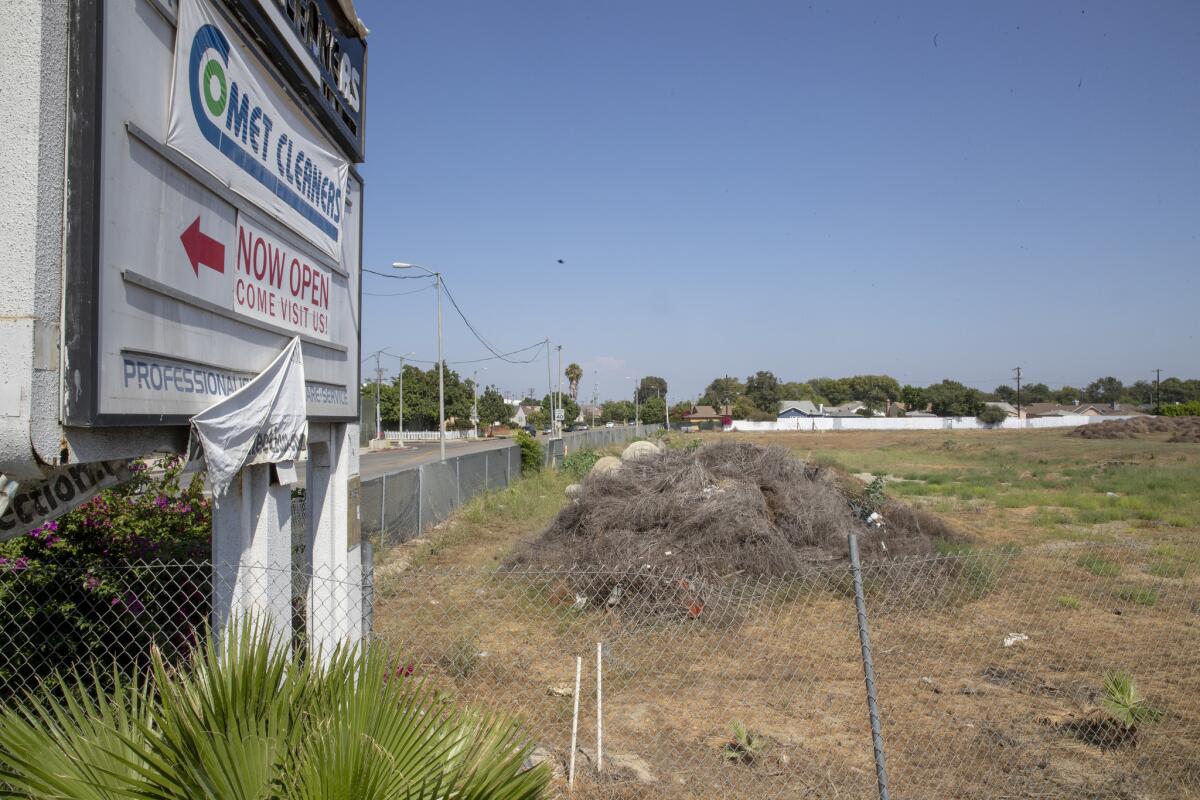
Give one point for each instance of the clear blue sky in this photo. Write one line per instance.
(943, 190)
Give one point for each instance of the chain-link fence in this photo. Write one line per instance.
(56, 619)
(999, 674)
(991, 673)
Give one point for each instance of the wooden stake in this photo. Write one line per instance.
(599, 707)
(575, 723)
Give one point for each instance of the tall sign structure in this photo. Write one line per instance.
(184, 204)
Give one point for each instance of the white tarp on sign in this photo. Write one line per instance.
(24, 506)
(225, 118)
(264, 422)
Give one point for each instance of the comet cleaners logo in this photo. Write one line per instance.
(248, 131)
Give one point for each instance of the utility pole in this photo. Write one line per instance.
(401, 442)
(378, 381)
(558, 393)
(1157, 398)
(549, 385)
(595, 392)
(1018, 379)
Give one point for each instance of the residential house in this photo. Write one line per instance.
(789, 409)
(707, 415)
(1007, 408)
(1081, 409)
(848, 409)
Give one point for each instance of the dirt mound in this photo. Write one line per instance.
(724, 509)
(1181, 429)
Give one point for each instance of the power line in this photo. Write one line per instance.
(399, 294)
(395, 277)
(475, 332)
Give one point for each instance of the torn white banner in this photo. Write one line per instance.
(264, 422)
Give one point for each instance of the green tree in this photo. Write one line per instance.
(874, 390)
(1067, 395)
(651, 386)
(835, 390)
(762, 388)
(679, 410)
(1004, 393)
(722, 391)
(1104, 390)
(797, 390)
(574, 374)
(915, 398)
(1036, 393)
(421, 399)
(570, 409)
(744, 408)
(953, 399)
(654, 411)
(492, 408)
(616, 411)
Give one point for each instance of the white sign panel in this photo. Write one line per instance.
(25, 506)
(225, 118)
(264, 422)
(190, 287)
(275, 283)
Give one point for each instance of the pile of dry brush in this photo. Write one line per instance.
(1182, 429)
(721, 510)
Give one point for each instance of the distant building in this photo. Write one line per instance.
(789, 409)
(849, 409)
(707, 415)
(1007, 408)
(1081, 409)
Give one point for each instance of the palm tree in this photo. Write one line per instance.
(574, 374)
(249, 720)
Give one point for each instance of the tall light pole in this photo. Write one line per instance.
(406, 355)
(636, 400)
(558, 394)
(475, 401)
(549, 385)
(437, 276)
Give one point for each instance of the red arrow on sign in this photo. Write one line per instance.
(202, 249)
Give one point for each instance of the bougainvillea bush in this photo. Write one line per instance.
(121, 572)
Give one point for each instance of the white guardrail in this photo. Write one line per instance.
(427, 436)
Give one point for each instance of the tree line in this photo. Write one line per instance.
(758, 396)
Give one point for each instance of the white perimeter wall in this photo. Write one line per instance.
(912, 423)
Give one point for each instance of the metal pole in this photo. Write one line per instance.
(441, 372)
(378, 380)
(558, 393)
(402, 401)
(864, 639)
(550, 385)
(475, 400)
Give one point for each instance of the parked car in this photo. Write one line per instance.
(610, 424)
(532, 431)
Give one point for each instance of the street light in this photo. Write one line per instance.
(437, 276)
(636, 401)
(406, 355)
(475, 401)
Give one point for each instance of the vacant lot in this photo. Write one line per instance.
(964, 713)
(1025, 486)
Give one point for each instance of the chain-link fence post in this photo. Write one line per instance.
(864, 639)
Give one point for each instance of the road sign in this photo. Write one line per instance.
(187, 274)
(559, 416)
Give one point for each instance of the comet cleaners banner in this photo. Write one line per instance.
(226, 117)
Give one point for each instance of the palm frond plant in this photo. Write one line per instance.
(1124, 704)
(250, 721)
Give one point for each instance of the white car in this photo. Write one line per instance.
(610, 424)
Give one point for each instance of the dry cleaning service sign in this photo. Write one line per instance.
(225, 118)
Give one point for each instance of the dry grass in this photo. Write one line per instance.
(964, 715)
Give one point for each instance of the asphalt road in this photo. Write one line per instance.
(384, 462)
(374, 464)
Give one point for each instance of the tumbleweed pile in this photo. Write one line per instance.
(723, 509)
(1182, 429)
